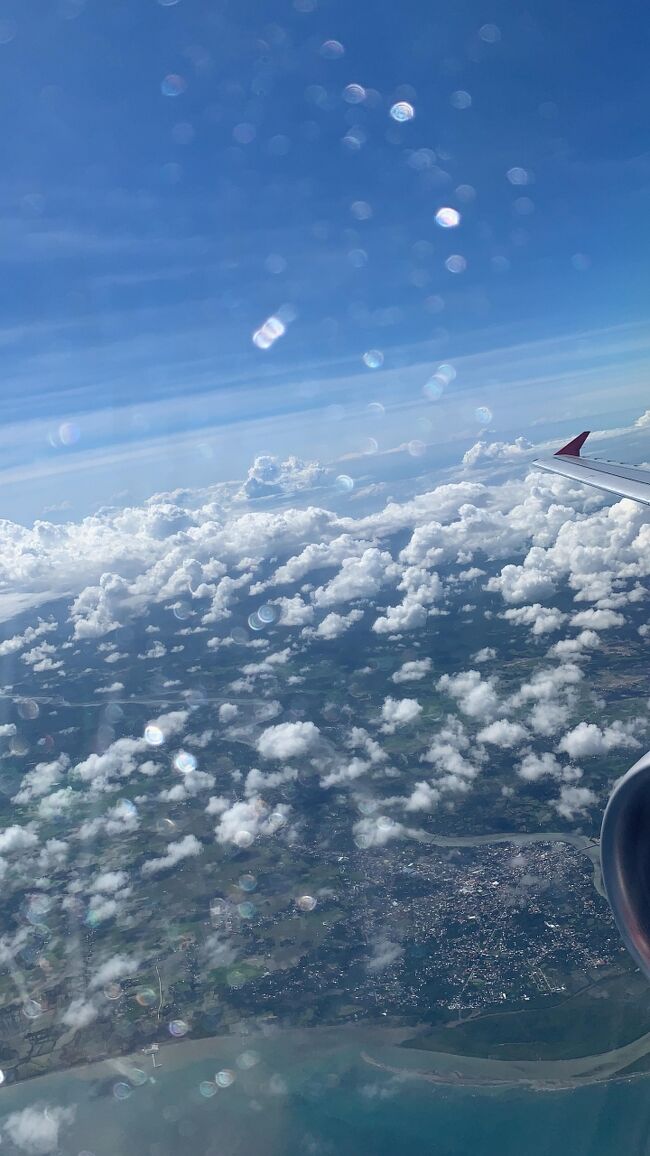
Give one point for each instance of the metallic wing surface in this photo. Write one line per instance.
(626, 481)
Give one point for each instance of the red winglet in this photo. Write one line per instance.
(572, 448)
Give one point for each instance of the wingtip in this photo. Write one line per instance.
(572, 448)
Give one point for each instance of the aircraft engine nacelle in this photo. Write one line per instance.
(625, 859)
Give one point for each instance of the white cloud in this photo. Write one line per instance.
(186, 848)
(598, 619)
(533, 766)
(109, 881)
(541, 619)
(79, 1014)
(385, 953)
(227, 712)
(241, 823)
(398, 713)
(574, 801)
(423, 797)
(29, 635)
(359, 739)
(269, 476)
(113, 968)
(112, 689)
(358, 578)
(334, 625)
(475, 695)
(587, 739)
(288, 740)
(41, 779)
(294, 611)
(15, 839)
(345, 772)
(376, 832)
(482, 451)
(412, 671)
(485, 654)
(36, 1129)
(503, 733)
(7, 730)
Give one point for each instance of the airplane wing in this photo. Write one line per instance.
(626, 481)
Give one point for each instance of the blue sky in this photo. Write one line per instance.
(147, 236)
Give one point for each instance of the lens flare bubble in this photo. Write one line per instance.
(483, 414)
(370, 446)
(178, 1029)
(361, 210)
(376, 409)
(207, 1089)
(432, 389)
(184, 762)
(456, 263)
(416, 448)
(248, 1060)
(121, 1091)
(181, 610)
(165, 826)
(69, 433)
(236, 978)
(402, 111)
(446, 372)
(146, 997)
(137, 1077)
(518, 176)
(490, 33)
(38, 907)
(246, 910)
(247, 882)
(460, 99)
(112, 991)
(332, 50)
(373, 359)
(267, 614)
(32, 1009)
(354, 93)
(345, 483)
(269, 332)
(447, 218)
(167, 3)
(153, 735)
(239, 635)
(173, 85)
(255, 622)
(306, 902)
(225, 1078)
(27, 708)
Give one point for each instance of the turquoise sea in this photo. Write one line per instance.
(296, 1095)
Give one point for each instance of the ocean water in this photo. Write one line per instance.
(308, 1096)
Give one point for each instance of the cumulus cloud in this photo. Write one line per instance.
(36, 1129)
(288, 740)
(423, 797)
(359, 739)
(398, 712)
(541, 619)
(538, 766)
(598, 619)
(241, 823)
(41, 779)
(412, 671)
(186, 848)
(376, 832)
(227, 712)
(483, 451)
(269, 476)
(15, 839)
(334, 625)
(475, 695)
(485, 654)
(503, 733)
(574, 801)
(358, 578)
(588, 739)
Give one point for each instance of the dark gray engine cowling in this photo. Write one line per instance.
(625, 859)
